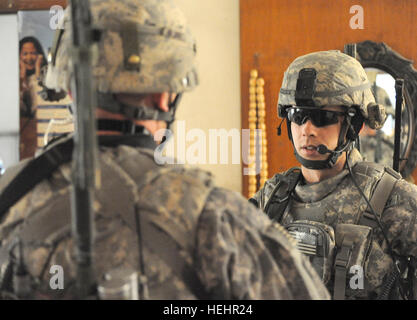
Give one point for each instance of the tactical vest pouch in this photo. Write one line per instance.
(317, 241)
(353, 243)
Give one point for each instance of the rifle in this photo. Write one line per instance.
(399, 87)
(85, 173)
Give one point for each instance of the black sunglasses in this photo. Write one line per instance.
(319, 118)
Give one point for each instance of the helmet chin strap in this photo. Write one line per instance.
(173, 109)
(108, 102)
(322, 149)
(324, 164)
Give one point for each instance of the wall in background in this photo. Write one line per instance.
(215, 103)
(9, 90)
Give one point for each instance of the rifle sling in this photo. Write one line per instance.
(33, 173)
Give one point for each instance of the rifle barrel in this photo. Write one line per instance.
(85, 145)
(399, 87)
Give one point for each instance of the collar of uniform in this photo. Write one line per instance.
(317, 191)
(134, 140)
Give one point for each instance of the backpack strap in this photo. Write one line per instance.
(33, 172)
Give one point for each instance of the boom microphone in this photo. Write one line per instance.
(322, 149)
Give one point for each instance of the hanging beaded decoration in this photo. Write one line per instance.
(260, 98)
(257, 141)
(252, 127)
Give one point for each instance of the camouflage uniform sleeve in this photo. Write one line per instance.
(399, 217)
(256, 257)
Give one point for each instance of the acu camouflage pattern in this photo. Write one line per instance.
(166, 49)
(236, 251)
(378, 148)
(336, 72)
(336, 201)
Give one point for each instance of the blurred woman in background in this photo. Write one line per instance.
(31, 62)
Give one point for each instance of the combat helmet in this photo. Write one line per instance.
(330, 78)
(145, 47)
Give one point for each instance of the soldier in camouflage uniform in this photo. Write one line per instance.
(355, 220)
(185, 237)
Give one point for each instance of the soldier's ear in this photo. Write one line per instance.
(161, 100)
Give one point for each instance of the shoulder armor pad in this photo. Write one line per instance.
(369, 169)
(282, 187)
(288, 175)
(393, 173)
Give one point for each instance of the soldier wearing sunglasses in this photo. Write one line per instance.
(355, 220)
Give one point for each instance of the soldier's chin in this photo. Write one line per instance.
(310, 154)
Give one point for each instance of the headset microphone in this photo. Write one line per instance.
(279, 127)
(322, 149)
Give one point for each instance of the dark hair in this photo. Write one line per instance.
(38, 48)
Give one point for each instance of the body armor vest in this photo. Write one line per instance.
(357, 240)
(169, 201)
